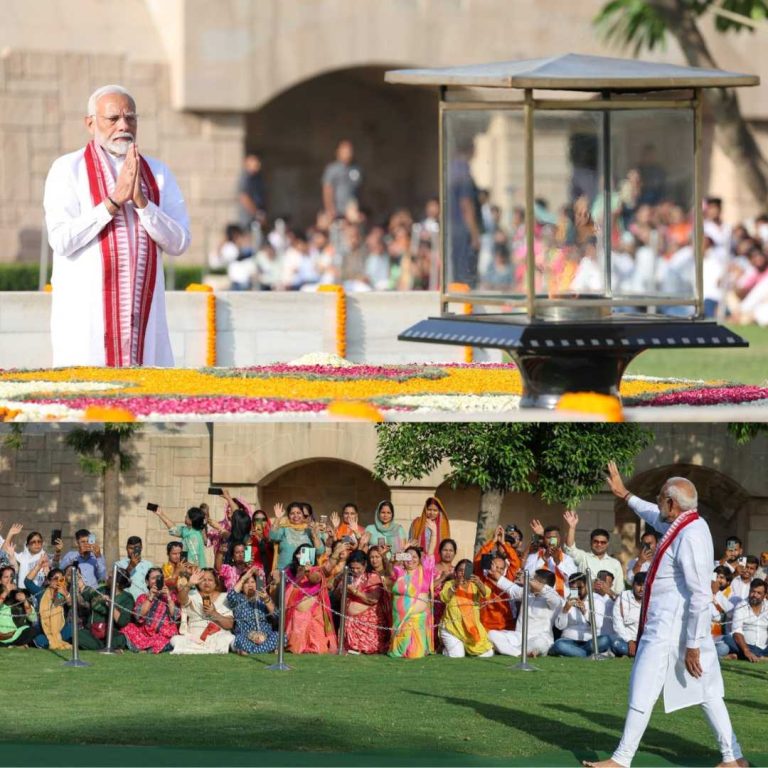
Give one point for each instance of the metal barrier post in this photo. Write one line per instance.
(75, 661)
(111, 608)
(595, 655)
(281, 666)
(524, 666)
(343, 618)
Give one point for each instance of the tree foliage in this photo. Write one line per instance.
(562, 462)
(744, 433)
(97, 449)
(643, 24)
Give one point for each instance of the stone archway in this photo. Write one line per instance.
(393, 129)
(722, 501)
(327, 484)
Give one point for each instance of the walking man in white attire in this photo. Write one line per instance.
(111, 213)
(675, 651)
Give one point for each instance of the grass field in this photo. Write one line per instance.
(229, 710)
(744, 366)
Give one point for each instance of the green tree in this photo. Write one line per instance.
(745, 432)
(645, 25)
(562, 462)
(104, 452)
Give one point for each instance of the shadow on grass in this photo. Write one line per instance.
(747, 671)
(680, 750)
(577, 741)
(750, 704)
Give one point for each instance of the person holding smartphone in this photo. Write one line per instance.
(192, 532)
(291, 530)
(231, 572)
(255, 614)
(135, 566)
(461, 630)
(28, 558)
(548, 553)
(367, 623)
(156, 616)
(385, 531)
(90, 561)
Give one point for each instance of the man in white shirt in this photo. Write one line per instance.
(550, 556)
(749, 638)
(746, 568)
(626, 618)
(675, 652)
(574, 621)
(598, 558)
(642, 562)
(543, 605)
(110, 215)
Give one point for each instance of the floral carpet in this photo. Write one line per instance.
(314, 386)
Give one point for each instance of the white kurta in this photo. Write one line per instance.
(542, 609)
(74, 223)
(678, 618)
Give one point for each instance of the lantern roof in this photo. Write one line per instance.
(574, 72)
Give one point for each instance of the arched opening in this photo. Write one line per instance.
(723, 503)
(327, 484)
(393, 129)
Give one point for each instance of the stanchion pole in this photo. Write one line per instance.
(595, 655)
(75, 661)
(281, 666)
(524, 666)
(343, 619)
(110, 622)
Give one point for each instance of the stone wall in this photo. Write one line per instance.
(43, 97)
(254, 328)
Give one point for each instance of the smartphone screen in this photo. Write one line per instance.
(184, 555)
(152, 507)
(485, 562)
(56, 534)
(92, 539)
(248, 553)
(468, 571)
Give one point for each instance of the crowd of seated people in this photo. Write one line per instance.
(399, 593)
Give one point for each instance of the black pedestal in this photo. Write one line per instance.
(559, 357)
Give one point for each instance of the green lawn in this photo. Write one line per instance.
(744, 366)
(229, 710)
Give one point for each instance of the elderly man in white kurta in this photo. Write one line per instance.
(111, 213)
(675, 651)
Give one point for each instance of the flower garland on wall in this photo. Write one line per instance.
(341, 316)
(210, 317)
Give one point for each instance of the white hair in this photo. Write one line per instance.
(681, 491)
(103, 91)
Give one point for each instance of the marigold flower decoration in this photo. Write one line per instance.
(107, 414)
(355, 410)
(593, 403)
(341, 316)
(210, 353)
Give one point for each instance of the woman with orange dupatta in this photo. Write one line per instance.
(431, 527)
(308, 618)
(348, 524)
(461, 632)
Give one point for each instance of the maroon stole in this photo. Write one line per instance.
(129, 267)
(686, 518)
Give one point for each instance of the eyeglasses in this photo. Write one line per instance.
(129, 117)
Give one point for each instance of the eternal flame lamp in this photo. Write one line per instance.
(589, 247)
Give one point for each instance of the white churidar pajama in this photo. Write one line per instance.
(74, 223)
(678, 618)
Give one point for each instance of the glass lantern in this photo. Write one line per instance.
(570, 215)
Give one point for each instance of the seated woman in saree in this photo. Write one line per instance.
(232, 569)
(17, 617)
(366, 628)
(412, 576)
(209, 619)
(461, 632)
(385, 532)
(308, 617)
(156, 616)
(92, 637)
(255, 614)
(431, 527)
(290, 531)
(53, 610)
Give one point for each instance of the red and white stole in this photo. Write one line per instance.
(684, 519)
(130, 262)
